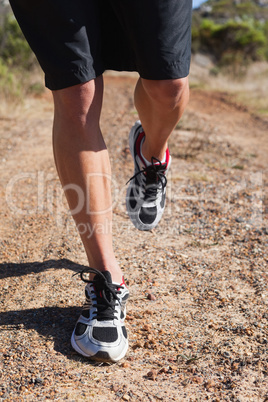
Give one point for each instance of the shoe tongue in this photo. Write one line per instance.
(100, 287)
(108, 276)
(109, 279)
(99, 278)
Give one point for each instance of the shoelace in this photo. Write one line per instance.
(106, 294)
(155, 174)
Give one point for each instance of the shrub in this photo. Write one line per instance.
(14, 49)
(243, 40)
(17, 62)
(10, 86)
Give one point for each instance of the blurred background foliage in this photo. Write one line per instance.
(14, 50)
(18, 64)
(231, 31)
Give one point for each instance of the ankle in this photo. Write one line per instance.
(148, 152)
(115, 271)
(117, 275)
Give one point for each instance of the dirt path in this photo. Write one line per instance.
(205, 334)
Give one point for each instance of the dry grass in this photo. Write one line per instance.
(16, 88)
(249, 88)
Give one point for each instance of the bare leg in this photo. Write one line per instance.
(83, 166)
(160, 105)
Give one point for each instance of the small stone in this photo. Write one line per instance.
(198, 380)
(163, 370)
(147, 327)
(151, 296)
(210, 384)
(38, 380)
(137, 345)
(235, 366)
(125, 365)
(115, 388)
(126, 397)
(152, 374)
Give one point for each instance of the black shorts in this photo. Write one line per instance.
(77, 40)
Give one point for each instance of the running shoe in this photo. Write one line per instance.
(146, 193)
(100, 333)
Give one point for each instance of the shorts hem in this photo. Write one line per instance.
(173, 70)
(71, 78)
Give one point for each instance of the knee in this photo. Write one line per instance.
(169, 93)
(78, 104)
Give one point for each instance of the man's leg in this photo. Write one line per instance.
(83, 166)
(160, 105)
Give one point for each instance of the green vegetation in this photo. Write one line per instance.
(10, 87)
(14, 50)
(235, 33)
(233, 40)
(17, 61)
